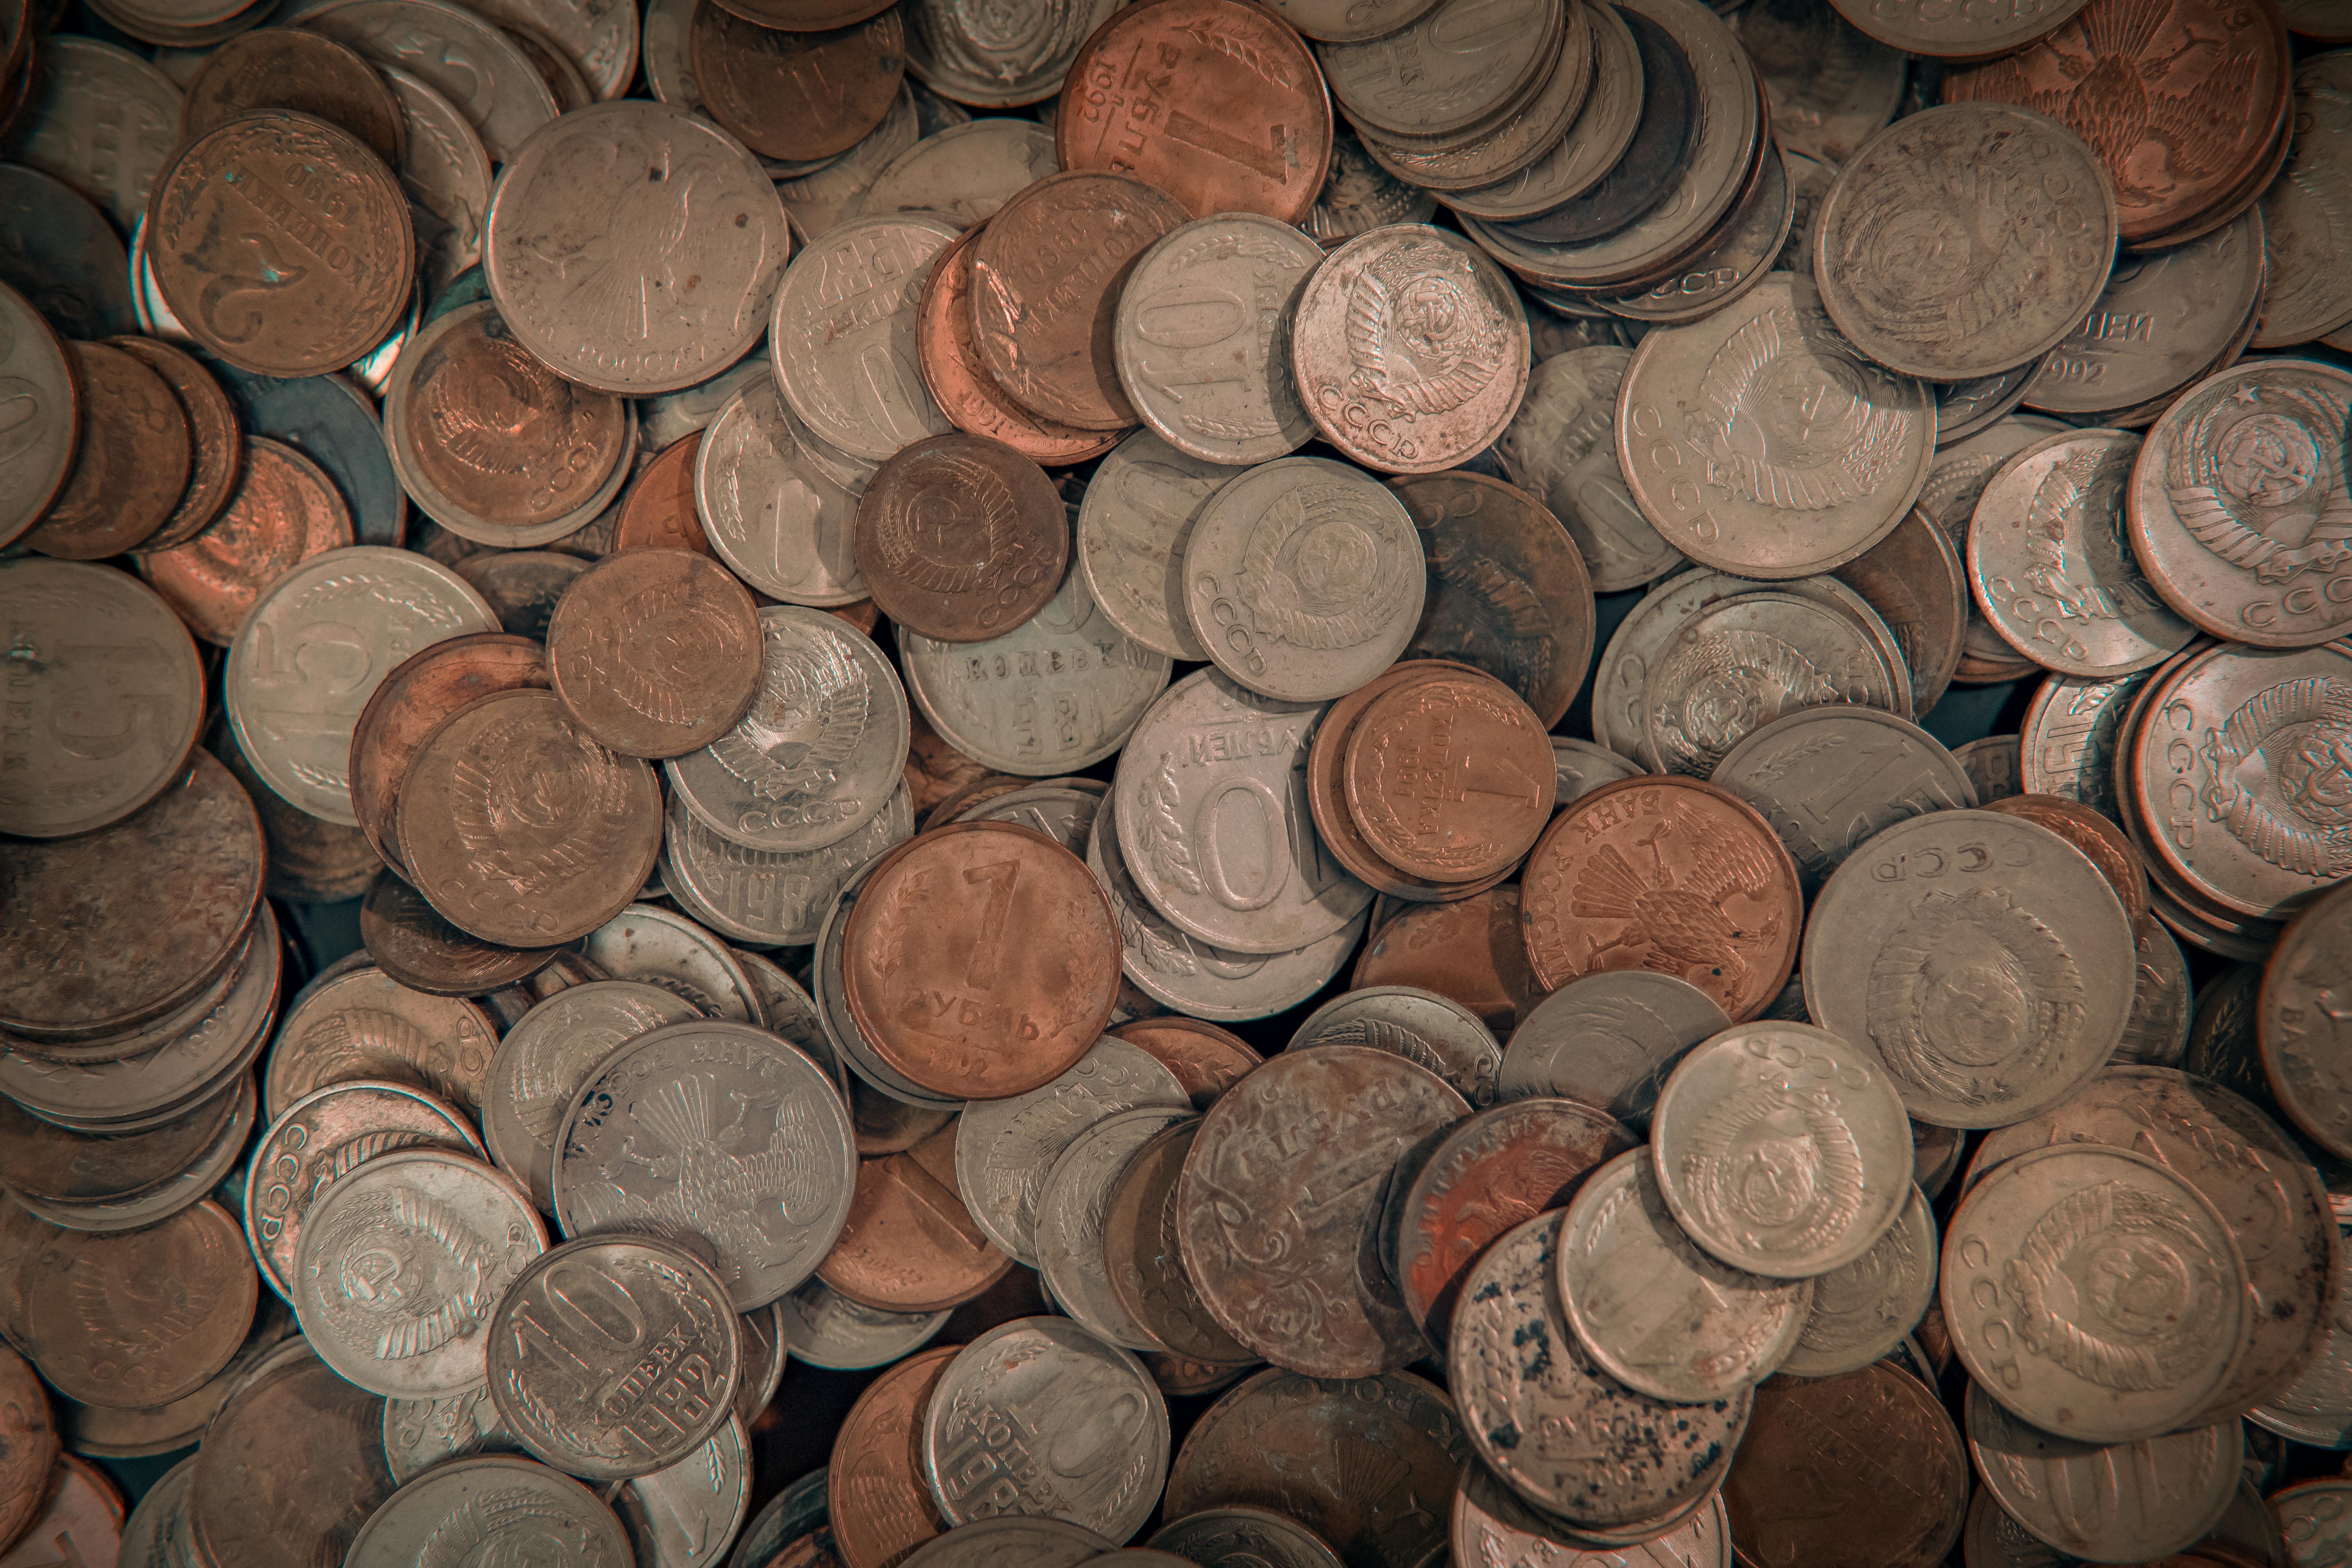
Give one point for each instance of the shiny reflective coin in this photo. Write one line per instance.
(1424, 1028)
(771, 513)
(1005, 1147)
(961, 538)
(490, 1505)
(1913, 948)
(843, 334)
(1659, 1315)
(88, 1302)
(289, 1470)
(1905, 1505)
(1558, 448)
(1608, 1041)
(567, 1335)
(719, 1137)
(2048, 1351)
(2153, 1496)
(825, 1327)
(655, 652)
(1071, 1205)
(1801, 502)
(1862, 1311)
(1517, 1368)
(1384, 1103)
(1787, 1096)
(1830, 779)
(1070, 1393)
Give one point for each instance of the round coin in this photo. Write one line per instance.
(947, 352)
(783, 524)
(131, 466)
(490, 1505)
(2161, 1494)
(285, 510)
(33, 356)
(543, 1059)
(1450, 778)
(910, 1246)
(216, 445)
(1142, 1254)
(1905, 1505)
(411, 703)
(961, 538)
(1072, 1205)
(1558, 448)
(655, 652)
(91, 1302)
(844, 336)
(1609, 1040)
(879, 1507)
(1861, 1311)
(289, 1470)
(797, 96)
(288, 68)
(1424, 1027)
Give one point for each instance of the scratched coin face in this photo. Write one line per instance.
(843, 334)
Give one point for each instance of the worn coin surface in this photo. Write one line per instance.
(844, 332)
(1449, 778)
(287, 68)
(1803, 1105)
(1072, 1205)
(91, 1302)
(879, 1507)
(1309, 1137)
(1915, 582)
(1013, 1540)
(1608, 1041)
(1559, 448)
(656, 653)
(130, 467)
(1850, 1471)
(910, 1246)
(543, 1059)
(216, 459)
(948, 353)
(1142, 1254)
(289, 1470)
(1243, 1534)
(825, 1327)
(1133, 524)
(1424, 1027)
(1862, 1311)
(961, 538)
(802, 97)
(284, 511)
(33, 356)
(2296, 1027)
(2163, 320)
(491, 1505)
(2152, 1496)
(965, 172)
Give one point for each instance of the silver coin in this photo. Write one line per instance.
(190, 1187)
(999, 61)
(648, 943)
(820, 750)
(1358, 196)
(358, 612)
(446, 170)
(1211, 797)
(1579, 767)
(687, 1515)
(542, 1062)
(1010, 1541)
(1202, 337)
(1243, 1537)
(2161, 323)
(1174, 967)
(963, 173)
(419, 1434)
(1060, 693)
(1068, 1227)
(480, 1509)
(825, 1327)
(671, 417)
(1861, 1311)
(1658, 1314)
(1492, 1525)
(2157, 1031)
(400, 1263)
(1609, 1040)
(1781, 1149)
(1517, 1369)
(1424, 1027)
(1005, 1148)
(464, 59)
(1304, 579)
(1133, 526)
(1740, 664)
(1593, 143)
(157, 1535)
(843, 334)
(1795, 502)
(1962, 470)
(762, 1335)
(1831, 86)
(105, 693)
(719, 1137)
(2068, 743)
(2316, 1407)
(600, 42)
(771, 512)
(2138, 1351)
(100, 118)
(362, 1024)
(1981, 959)
(2118, 1503)
(1055, 1389)
(776, 898)
(1830, 779)
(1443, 71)
(1559, 448)
(628, 283)
(33, 359)
(1993, 766)
(817, 198)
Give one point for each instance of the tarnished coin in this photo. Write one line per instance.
(2171, 1301)
(655, 652)
(1608, 1041)
(768, 896)
(1207, 1060)
(2303, 298)
(1669, 874)
(130, 467)
(1861, 1311)
(1013, 1541)
(780, 520)
(2105, 845)
(1794, 1099)
(1517, 136)
(1345, 1113)
(2157, 1033)
(423, 1433)
(321, 189)
(1424, 1028)
(826, 1328)
(522, 586)
(1411, 346)
(1517, 1369)
(1068, 1392)
(409, 941)
(1780, 498)
(999, 65)
(1142, 1252)
(2164, 321)
(33, 357)
(1217, 1536)
(287, 68)
(1443, 71)
(1992, 765)
(91, 1302)
(1449, 778)
(332, 422)
(1830, 779)
(1831, 84)
(1559, 448)
(1922, 28)
(32, 1444)
(2298, 1028)
(289, 1470)
(1750, 659)
(96, 116)
(1579, 767)
(1257, 1446)
(216, 459)
(489, 1506)
(802, 97)
(1358, 196)
(844, 332)
(285, 511)
(965, 172)
(1494, 1523)
(476, 65)
(948, 353)
(114, 714)
(1983, 959)
(878, 1507)
(910, 1246)
(1915, 582)
(1789, 1502)
(961, 538)
(542, 1060)
(2155, 1496)
(1072, 1203)
(46, 1163)
(1203, 333)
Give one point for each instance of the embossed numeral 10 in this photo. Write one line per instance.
(1282, 823)
(574, 1304)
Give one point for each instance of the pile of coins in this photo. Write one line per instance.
(1497, 782)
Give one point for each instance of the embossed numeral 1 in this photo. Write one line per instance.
(980, 973)
(1271, 162)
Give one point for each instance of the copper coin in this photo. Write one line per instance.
(286, 510)
(216, 448)
(410, 941)
(1508, 590)
(294, 67)
(809, 15)
(282, 244)
(1915, 579)
(28, 1445)
(52, 1165)
(655, 652)
(421, 691)
(1862, 1470)
(289, 1470)
(935, 770)
(1215, 102)
(2105, 71)
(796, 96)
(80, 1519)
(1501, 1167)
(1207, 1060)
(131, 467)
(96, 1307)
(309, 858)
(172, 887)
(949, 356)
(658, 511)
(1143, 1254)
(961, 538)
(880, 1509)
(522, 828)
(1045, 274)
(1327, 789)
(1450, 779)
(910, 1245)
(1667, 873)
(1279, 1205)
(2107, 845)
(1469, 951)
(981, 960)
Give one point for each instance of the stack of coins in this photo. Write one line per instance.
(1495, 781)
